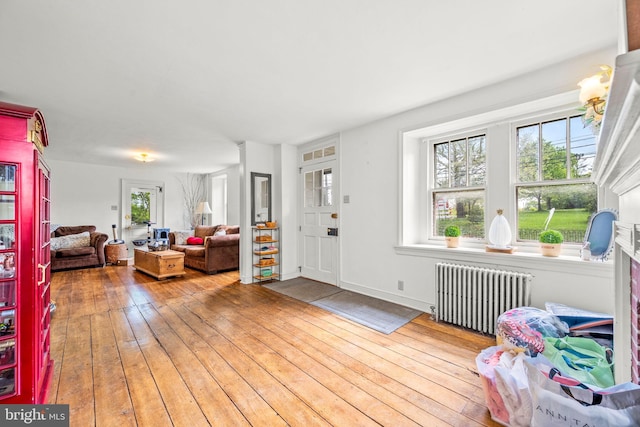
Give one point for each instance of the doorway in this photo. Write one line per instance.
(319, 215)
(142, 202)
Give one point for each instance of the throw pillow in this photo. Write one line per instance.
(221, 232)
(70, 241)
(182, 236)
(195, 241)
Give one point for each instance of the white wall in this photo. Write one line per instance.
(285, 208)
(371, 176)
(254, 157)
(83, 194)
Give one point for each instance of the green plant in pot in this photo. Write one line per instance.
(551, 242)
(452, 236)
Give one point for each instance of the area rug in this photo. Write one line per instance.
(382, 316)
(303, 289)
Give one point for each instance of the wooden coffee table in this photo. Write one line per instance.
(159, 264)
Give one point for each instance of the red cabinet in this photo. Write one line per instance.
(25, 363)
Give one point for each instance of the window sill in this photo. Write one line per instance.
(518, 260)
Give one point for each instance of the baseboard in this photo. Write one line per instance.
(387, 296)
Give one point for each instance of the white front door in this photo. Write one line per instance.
(141, 202)
(319, 216)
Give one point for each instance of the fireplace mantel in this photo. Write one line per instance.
(617, 164)
(617, 167)
(628, 239)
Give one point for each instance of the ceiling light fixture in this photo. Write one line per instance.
(144, 157)
(593, 96)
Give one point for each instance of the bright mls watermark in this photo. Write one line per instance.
(34, 415)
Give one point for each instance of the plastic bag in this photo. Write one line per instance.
(580, 358)
(486, 362)
(513, 386)
(556, 402)
(523, 329)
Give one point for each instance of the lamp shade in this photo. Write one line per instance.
(592, 87)
(203, 208)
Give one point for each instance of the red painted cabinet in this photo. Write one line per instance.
(26, 367)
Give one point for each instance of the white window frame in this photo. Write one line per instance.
(535, 120)
(416, 180)
(432, 189)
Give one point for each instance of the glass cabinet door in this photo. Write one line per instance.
(8, 282)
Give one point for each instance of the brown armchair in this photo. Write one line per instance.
(216, 253)
(78, 253)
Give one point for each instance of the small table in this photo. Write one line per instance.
(115, 251)
(159, 264)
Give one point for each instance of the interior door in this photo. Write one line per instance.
(319, 222)
(142, 202)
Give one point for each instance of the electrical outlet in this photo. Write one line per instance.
(401, 285)
(114, 207)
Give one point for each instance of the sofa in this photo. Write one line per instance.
(208, 248)
(77, 246)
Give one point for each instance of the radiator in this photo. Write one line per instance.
(474, 297)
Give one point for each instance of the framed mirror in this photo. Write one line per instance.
(260, 197)
(600, 234)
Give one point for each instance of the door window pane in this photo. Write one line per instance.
(308, 189)
(140, 207)
(7, 207)
(7, 177)
(318, 188)
(7, 236)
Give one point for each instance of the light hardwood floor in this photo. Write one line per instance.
(206, 350)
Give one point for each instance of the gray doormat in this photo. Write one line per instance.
(303, 289)
(382, 316)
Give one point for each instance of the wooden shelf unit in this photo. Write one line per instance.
(266, 254)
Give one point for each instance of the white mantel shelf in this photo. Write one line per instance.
(617, 164)
(628, 238)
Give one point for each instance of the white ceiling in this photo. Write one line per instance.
(187, 80)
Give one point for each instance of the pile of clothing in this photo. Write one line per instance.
(555, 367)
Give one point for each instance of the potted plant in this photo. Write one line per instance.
(452, 236)
(551, 242)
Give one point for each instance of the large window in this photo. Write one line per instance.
(459, 167)
(554, 163)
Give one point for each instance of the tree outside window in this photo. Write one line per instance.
(459, 179)
(554, 163)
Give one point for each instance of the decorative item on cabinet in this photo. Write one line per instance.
(266, 253)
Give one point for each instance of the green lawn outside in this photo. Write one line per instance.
(571, 222)
(565, 219)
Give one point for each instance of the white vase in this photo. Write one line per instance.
(500, 232)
